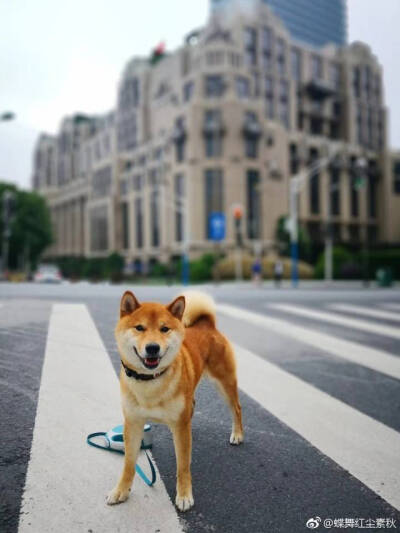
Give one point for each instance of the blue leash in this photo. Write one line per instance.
(149, 482)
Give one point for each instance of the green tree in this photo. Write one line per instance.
(282, 236)
(30, 227)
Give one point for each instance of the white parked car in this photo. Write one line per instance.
(47, 274)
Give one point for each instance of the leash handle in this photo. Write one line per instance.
(149, 482)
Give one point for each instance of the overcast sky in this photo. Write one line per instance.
(57, 58)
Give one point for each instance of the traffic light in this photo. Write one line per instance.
(238, 215)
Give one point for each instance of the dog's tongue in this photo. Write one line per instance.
(151, 362)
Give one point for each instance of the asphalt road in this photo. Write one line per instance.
(337, 460)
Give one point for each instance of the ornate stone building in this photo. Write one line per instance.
(226, 119)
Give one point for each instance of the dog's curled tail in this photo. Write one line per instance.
(198, 305)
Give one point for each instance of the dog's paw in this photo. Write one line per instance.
(117, 495)
(184, 503)
(236, 438)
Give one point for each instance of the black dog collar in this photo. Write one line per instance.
(142, 377)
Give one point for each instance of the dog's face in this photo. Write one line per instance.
(149, 335)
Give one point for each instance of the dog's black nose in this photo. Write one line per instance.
(152, 349)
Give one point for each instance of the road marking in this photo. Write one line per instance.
(356, 353)
(341, 320)
(368, 449)
(67, 480)
(395, 307)
(358, 309)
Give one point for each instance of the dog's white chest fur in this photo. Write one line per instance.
(166, 411)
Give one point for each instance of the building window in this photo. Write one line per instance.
(359, 126)
(179, 206)
(296, 64)
(139, 222)
(294, 160)
(125, 225)
(316, 67)
(99, 229)
(253, 205)
(252, 132)
(371, 194)
(242, 87)
(354, 233)
(269, 97)
(314, 185)
(101, 183)
(396, 176)
(335, 190)
(284, 102)
(354, 200)
(155, 218)
(138, 182)
(250, 44)
(213, 195)
(267, 48)
(179, 136)
(188, 90)
(213, 133)
(281, 56)
(335, 76)
(215, 86)
(256, 84)
(367, 81)
(356, 82)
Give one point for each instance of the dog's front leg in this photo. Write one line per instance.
(133, 432)
(182, 434)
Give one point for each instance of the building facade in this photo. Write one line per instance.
(316, 22)
(225, 120)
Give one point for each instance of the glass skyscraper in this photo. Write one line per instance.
(317, 22)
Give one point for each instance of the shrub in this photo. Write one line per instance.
(94, 269)
(340, 258)
(202, 269)
(114, 267)
(227, 267)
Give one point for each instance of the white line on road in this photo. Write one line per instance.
(395, 307)
(341, 320)
(368, 449)
(363, 355)
(67, 480)
(359, 310)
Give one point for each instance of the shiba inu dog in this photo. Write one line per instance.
(165, 349)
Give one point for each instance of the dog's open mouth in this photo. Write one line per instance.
(151, 362)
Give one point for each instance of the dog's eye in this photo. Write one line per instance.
(139, 328)
(164, 329)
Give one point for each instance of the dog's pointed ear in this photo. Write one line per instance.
(177, 307)
(128, 304)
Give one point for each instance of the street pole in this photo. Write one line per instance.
(294, 232)
(328, 236)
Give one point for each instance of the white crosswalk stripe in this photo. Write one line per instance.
(341, 320)
(366, 448)
(393, 306)
(363, 355)
(373, 313)
(67, 481)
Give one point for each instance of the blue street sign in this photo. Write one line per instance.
(216, 226)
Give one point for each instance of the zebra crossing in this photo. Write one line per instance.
(355, 453)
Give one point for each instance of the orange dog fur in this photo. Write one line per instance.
(188, 346)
